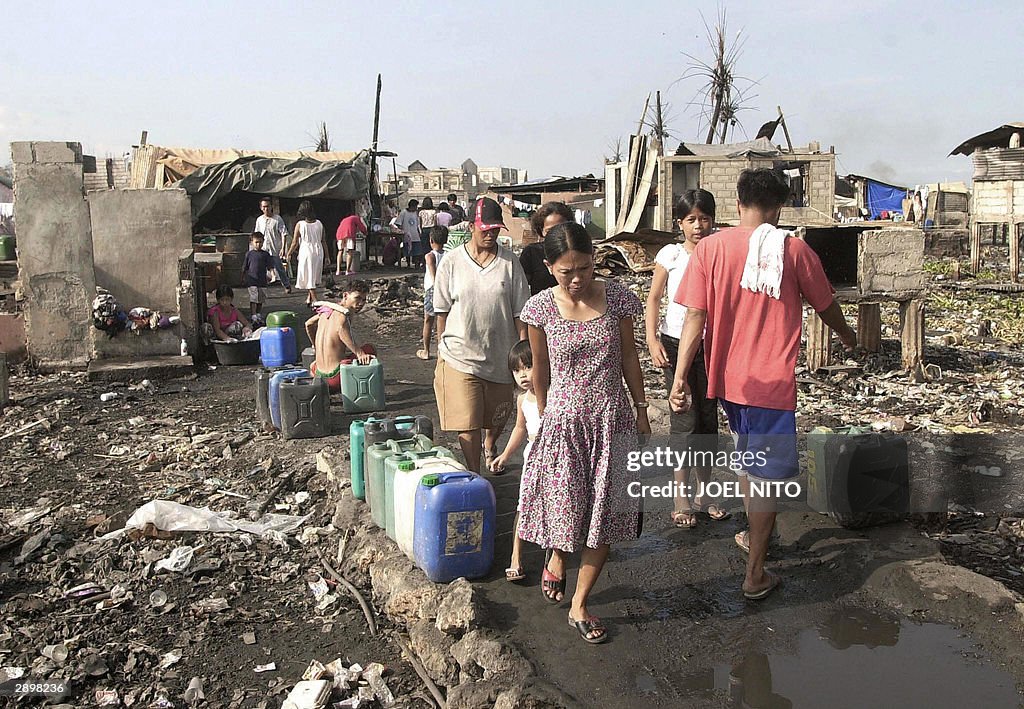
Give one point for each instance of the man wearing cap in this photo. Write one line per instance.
(479, 290)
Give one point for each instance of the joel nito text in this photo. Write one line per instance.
(770, 489)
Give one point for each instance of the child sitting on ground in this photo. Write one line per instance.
(330, 331)
(254, 273)
(438, 238)
(520, 361)
(224, 321)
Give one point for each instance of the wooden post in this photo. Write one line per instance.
(4, 394)
(1014, 243)
(869, 326)
(785, 129)
(975, 248)
(819, 341)
(373, 150)
(912, 333)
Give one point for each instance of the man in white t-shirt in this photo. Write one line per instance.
(275, 239)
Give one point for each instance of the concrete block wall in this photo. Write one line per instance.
(890, 261)
(719, 178)
(138, 237)
(54, 252)
(995, 200)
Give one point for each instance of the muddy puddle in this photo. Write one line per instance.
(857, 658)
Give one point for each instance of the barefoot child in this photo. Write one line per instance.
(438, 238)
(520, 362)
(331, 332)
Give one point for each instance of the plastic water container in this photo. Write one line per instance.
(263, 395)
(407, 479)
(376, 455)
(857, 476)
(308, 357)
(364, 433)
(362, 386)
(289, 318)
(390, 471)
(275, 392)
(305, 408)
(278, 347)
(453, 526)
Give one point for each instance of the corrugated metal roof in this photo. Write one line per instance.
(998, 138)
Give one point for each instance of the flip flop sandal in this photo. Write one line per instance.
(551, 585)
(514, 574)
(423, 354)
(589, 625)
(743, 541)
(719, 514)
(684, 519)
(774, 581)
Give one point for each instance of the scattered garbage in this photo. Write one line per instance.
(194, 693)
(269, 667)
(177, 560)
(109, 396)
(170, 516)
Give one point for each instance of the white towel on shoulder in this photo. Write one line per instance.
(762, 272)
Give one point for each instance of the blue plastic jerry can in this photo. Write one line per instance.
(454, 526)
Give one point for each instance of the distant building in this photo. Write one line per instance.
(467, 181)
(499, 176)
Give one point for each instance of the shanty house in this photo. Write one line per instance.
(811, 175)
(997, 205)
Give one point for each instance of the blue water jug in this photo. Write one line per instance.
(305, 408)
(278, 347)
(275, 391)
(362, 386)
(454, 526)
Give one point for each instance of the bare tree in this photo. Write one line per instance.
(321, 139)
(724, 93)
(616, 147)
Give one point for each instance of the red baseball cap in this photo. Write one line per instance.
(488, 214)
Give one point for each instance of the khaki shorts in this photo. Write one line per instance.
(257, 294)
(467, 403)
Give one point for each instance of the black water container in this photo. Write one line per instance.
(305, 408)
(263, 395)
(859, 478)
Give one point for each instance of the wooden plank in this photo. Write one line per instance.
(975, 247)
(819, 342)
(4, 391)
(636, 212)
(869, 326)
(1014, 244)
(912, 333)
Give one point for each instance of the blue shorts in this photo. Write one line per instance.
(428, 302)
(769, 435)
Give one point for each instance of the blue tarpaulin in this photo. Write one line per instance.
(884, 198)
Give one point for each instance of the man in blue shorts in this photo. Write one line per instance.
(744, 289)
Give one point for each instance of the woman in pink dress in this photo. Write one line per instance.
(574, 486)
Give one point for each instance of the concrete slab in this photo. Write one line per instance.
(133, 369)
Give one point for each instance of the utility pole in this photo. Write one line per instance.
(782, 120)
(373, 150)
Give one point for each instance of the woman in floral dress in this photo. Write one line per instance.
(574, 487)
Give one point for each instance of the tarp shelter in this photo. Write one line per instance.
(304, 177)
(884, 198)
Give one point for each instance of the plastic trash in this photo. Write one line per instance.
(308, 694)
(157, 599)
(170, 516)
(58, 653)
(109, 396)
(177, 560)
(194, 693)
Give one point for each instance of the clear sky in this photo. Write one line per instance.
(541, 85)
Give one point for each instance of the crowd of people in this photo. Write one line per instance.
(543, 323)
